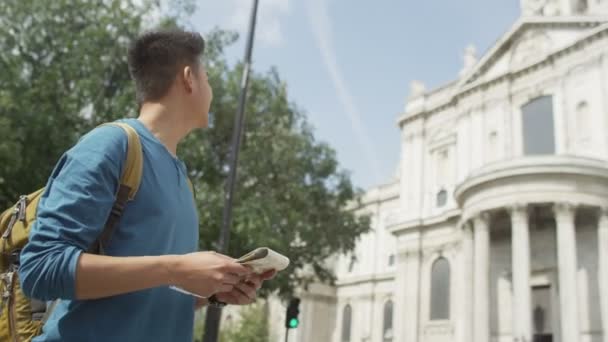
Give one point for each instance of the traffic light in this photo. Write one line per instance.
(293, 310)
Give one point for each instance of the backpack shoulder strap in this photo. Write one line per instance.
(129, 184)
(131, 174)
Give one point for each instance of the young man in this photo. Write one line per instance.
(124, 295)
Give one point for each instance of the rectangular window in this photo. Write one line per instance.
(538, 127)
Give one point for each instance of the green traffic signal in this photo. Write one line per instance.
(291, 316)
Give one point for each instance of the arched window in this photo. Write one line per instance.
(387, 329)
(538, 127)
(346, 323)
(442, 198)
(440, 289)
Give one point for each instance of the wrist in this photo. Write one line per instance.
(171, 266)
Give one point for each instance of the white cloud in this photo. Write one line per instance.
(269, 29)
(321, 26)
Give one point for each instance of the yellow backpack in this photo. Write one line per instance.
(21, 317)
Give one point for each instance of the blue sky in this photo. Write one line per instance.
(349, 63)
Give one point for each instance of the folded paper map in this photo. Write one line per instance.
(264, 259)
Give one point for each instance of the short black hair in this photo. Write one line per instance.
(156, 57)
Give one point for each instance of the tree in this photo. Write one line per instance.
(291, 195)
(250, 324)
(64, 70)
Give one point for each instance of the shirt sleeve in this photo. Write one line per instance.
(72, 213)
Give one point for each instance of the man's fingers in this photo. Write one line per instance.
(255, 281)
(247, 289)
(221, 256)
(236, 268)
(231, 279)
(242, 297)
(224, 297)
(225, 288)
(236, 297)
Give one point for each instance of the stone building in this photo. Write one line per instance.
(496, 226)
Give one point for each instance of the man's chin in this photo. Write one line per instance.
(203, 124)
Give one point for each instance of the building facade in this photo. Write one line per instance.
(496, 226)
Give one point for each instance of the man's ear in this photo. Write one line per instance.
(188, 79)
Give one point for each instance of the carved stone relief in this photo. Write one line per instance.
(530, 46)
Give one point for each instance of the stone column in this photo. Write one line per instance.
(567, 264)
(412, 325)
(405, 320)
(602, 252)
(400, 302)
(467, 305)
(482, 278)
(520, 254)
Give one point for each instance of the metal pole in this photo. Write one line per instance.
(287, 335)
(213, 318)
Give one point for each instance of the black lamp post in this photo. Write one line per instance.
(214, 314)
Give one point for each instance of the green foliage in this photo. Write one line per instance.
(64, 70)
(252, 326)
(199, 325)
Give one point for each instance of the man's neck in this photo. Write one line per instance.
(167, 126)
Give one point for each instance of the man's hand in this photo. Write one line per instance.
(207, 273)
(245, 292)
(203, 273)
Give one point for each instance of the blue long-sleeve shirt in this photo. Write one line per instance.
(71, 215)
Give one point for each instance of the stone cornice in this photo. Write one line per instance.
(381, 193)
(399, 227)
(526, 166)
(319, 297)
(372, 278)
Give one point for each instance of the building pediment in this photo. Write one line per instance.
(530, 41)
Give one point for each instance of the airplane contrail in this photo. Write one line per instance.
(321, 26)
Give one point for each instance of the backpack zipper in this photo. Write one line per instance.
(22, 207)
(18, 214)
(9, 279)
(4, 281)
